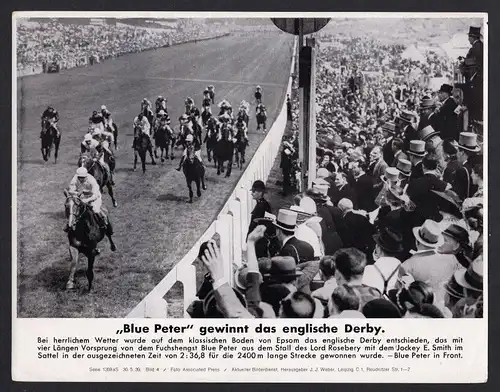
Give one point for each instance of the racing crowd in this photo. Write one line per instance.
(392, 226)
(71, 45)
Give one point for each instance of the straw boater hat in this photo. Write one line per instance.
(389, 126)
(472, 277)
(429, 234)
(286, 220)
(417, 148)
(281, 267)
(468, 141)
(323, 173)
(427, 103)
(406, 116)
(404, 167)
(427, 132)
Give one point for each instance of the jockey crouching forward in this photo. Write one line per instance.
(87, 189)
(241, 127)
(51, 117)
(107, 120)
(191, 144)
(89, 143)
(96, 121)
(160, 104)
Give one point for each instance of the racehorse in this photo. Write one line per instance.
(194, 171)
(197, 129)
(142, 145)
(224, 150)
(114, 130)
(239, 148)
(49, 138)
(84, 234)
(211, 139)
(244, 116)
(261, 119)
(97, 171)
(163, 140)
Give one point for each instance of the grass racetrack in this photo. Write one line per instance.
(154, 225)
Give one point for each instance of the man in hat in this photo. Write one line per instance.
(262, 206)
(377, 166)
(406, 122)
(476, 50)
(287, 156)
(398, 150)
(341, 189)
(286, 224)
(456, 242)
(450, 156)
(445, 118)
(363, 184)
(467, 156)
(416, 153)
(426, 111)
(420, 189)
(426, 265)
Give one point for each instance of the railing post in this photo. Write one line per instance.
(222, 227)
(187, 276)
(235, 210)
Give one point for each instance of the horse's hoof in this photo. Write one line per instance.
(198, 194)
(70, 285)
(162, 160)
(135, 169)
(153, 163)
(115, 204)
(190, 201)
(113, 248)
(204, 187)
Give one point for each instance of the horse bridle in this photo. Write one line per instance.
(77, 201)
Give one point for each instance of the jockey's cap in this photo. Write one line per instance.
(161, 113)
(103, 107)
(189, 100)
(94, 113)
(87, 137)
(82, 172)
(50, 108)
(145, 100)
(189, 138)
(258, 87)
(160, 96)
(184, 117)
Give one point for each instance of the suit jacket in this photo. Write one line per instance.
(358, 233)
(476, 52)
(426, 201)
(301, 251)
(462, 183)
(365, 192)
(346, 192)
(410, 133)
(449, 171)
(259, 211)
(417, 171)
(446, 120)
(427, 120)
(387, 152)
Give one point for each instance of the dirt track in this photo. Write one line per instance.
(154, 224)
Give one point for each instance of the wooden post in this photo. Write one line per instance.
(312, 116)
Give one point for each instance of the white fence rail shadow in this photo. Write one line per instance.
(231, 224)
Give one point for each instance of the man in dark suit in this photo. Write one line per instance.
(363, 184)
(426, 111)
(406, 124)
(416, 153)
(445, 118)
(476, 51)
(357, 231)
(467, 156)
(420, 193)
(341, 189)
(286, 223)
(450, 156)
(262, 206)
(388, 130)
(286, 164)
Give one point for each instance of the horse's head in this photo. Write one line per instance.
(86, 160)
(75, 209)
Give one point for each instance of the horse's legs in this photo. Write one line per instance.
(135, 160)
(190, 190)
(203, 178)
(56, 149)
(73, 253)
(229, 166)
(111, 194)
(150, 149)
(208, 154)
(109, 234)
(197, 181)
(115, 136)
(90, 268)
(143, 161)
(219, 164)
(172, 150)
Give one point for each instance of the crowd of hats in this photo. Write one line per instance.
(383, 251)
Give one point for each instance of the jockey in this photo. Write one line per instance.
(162, 120)
(96, 121)
(225, 118)
(50, 115)
(207, 100)
(89, 143)
(142, 123)
(211, 92)
(260, 109)
(103, 156)
(161, 104)
(106, 115)
(145, 104)
(241, 126)
(206, 115)
(87, 189)
(258, 94)
(191, 143)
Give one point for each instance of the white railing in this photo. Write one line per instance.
(231, 225)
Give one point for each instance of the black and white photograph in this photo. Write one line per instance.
(249, 167)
